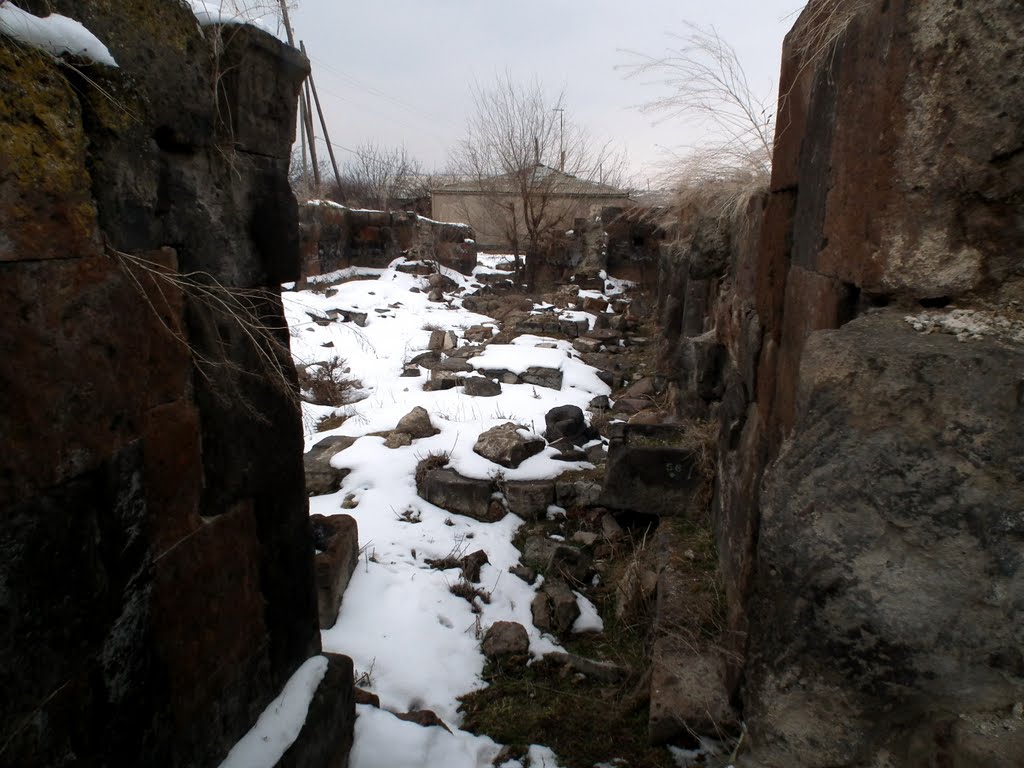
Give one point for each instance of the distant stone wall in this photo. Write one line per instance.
(335, 237)
(624, 241)
(156, 579)
(870, 488)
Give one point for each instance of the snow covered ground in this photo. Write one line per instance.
(416, 644)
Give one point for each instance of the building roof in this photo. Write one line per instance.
(558, 182)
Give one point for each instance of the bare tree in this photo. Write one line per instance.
(706, 81)
(379, 176)
(527, 168)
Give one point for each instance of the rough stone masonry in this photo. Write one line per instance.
(155, 554)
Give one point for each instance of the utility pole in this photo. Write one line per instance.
(561, 139)
(323, 122)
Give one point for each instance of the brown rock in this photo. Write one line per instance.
(417, 424)
(506, 639)
(337, 539)
(425, 717)
(367, 697)
(507, 446)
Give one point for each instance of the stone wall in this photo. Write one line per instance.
(868, 507)
(335, 237)
(155, 556)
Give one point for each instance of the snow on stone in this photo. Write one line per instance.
(418, 644)
(54, 34)
(383, 741)
(589, 619)
(229, 12)
(280, 723)
(969, 324)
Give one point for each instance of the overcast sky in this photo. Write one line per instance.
(402, 71)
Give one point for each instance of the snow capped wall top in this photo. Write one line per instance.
(231, 12)
(54, 34)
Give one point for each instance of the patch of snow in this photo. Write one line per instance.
(589, 619)
(280, 723)
(384, 741)
(968, 324)
(55, 34)
(230, 12)
(420, 644)
(554, 512)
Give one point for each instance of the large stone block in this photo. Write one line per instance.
(890, 547)
(651, 469)
(336, 539)
(329, 730)
(463, 495)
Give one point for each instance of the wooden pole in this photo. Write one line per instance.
(287, 23)
(302, 136)
(323, 125)
(312, 138)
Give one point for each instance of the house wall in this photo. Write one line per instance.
(484, 213)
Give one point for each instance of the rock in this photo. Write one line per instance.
(567, 422)
(465, 496)
(540, 612)
(585, 538)
(425, 717)
(411, 372)
(442, 341)
(563, 607)
(522, 572)
(538, 551)
(321, 477)
(502, 375)
(891, 541)
(337, 538)
(479, 386)
(441, 382)
(358, 318)
(688, 695)
(507, 446)
(471, 565)
(454, 363)
(629, 406)
(602, 671)
(554, 557)
(635, 591)
(600, 403)
(367, 697)
(641, 389)
(610, 529)
(506, 639)
(479, 333)
(573, 493)
(416, 423)
(427, 359)
(529, 499)
(328, 730)
(651, 417)
(605, 336)
(397, 439)
(586, 345)
(542, 377)
(655, 469)
(594, 304)
(573, 328)
(596, 453)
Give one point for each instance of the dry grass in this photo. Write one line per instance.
(430, 462)
(823, 22)
(326, 383)
(706, 187)
(470, 593)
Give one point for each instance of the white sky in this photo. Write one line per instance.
(401, 71)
